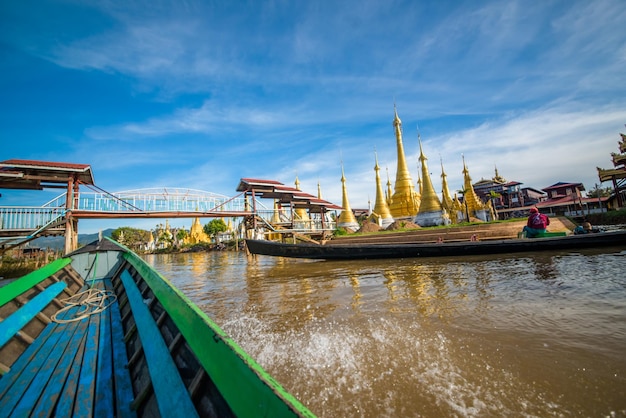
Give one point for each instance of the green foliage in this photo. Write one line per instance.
(612, 217)
(133, 238)
(214, 227)
(340, 231)
(603, 191)
(182, 234)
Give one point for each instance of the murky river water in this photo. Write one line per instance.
(527, 335)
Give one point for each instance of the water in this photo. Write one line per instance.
(536, 335)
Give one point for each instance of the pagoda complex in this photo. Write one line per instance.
(404, 202)
(617, 174)
(431, 212)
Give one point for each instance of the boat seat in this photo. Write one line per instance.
(86, 357)
(172, 395)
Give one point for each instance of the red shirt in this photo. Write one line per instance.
(538, 221)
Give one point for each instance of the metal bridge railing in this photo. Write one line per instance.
(29, 218)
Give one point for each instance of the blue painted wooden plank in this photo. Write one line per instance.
(104, 403)
(87, 382)
(65, 406)
(172, 395)
(63, 378)
(32, 358)
(29, 394)
(123, 387)
(11, 325)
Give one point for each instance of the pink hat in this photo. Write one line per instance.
(534, 210)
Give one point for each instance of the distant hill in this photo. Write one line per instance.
(58, 243)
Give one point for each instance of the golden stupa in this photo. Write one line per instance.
(405, 201)
(388, 192)
(381, 210)
(346, 218)
(431, 212)
(447, 202)
(196, 233)
(473, 205)
(301, 214)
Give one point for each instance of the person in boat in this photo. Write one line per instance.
(585, 228)
(537, 223)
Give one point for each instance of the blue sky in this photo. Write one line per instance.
(197, 94)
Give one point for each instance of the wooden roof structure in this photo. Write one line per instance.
(285, 195)
(39, 175)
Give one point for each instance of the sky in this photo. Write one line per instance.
(198, 94)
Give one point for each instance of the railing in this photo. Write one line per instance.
(159, 200)
(297, 225)
(20, 224)
(29, 218)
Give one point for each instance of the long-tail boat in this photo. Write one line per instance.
(352, 251)
(100, 333)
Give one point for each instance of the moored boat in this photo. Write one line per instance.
(329, 251)
(101, 333)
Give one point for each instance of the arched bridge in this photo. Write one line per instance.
(60, 215)
(19, 224)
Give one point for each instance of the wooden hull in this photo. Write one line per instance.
(149, 352)
(445, 249)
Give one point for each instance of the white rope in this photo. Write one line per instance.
(89, 302)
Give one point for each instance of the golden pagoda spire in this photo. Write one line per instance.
(420, 185)
(301, 213)
(404, 202)
(275, 221)
(446, 201)
(429, 200)
(346, 218)
(470, 199)
(276, 215)
(498, 178)
(388, 192)
(380, 207)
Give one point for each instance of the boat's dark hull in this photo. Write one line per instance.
(446, 249)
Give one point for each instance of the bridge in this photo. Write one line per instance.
(60, 216)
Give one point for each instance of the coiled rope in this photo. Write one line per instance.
(88, 302)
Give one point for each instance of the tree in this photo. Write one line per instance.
(598, 191)
(182, 234)
(133, 238)
(214, 227)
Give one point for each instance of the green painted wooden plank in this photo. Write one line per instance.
(171, 394)
(21, 285)
(18, 319)
(248, 389)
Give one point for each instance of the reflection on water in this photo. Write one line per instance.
(531, 335)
